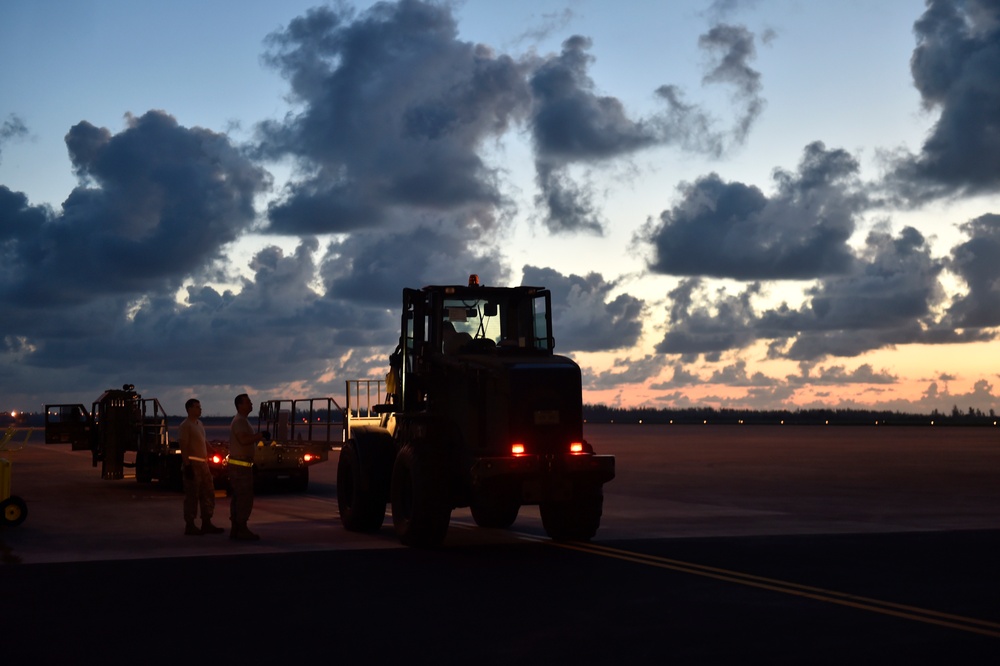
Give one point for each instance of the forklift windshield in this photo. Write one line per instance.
(502, 319)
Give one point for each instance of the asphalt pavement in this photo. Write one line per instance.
(717, 547)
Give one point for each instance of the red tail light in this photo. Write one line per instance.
(308, 457)
(216, 459)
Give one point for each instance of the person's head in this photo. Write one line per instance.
(193, 407)
(243, 404)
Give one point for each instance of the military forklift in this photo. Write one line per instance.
(120, 421)
(479, 413)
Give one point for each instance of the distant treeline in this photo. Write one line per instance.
(698, 415)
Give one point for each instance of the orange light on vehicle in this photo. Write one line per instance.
(517, 449)
(576, 448)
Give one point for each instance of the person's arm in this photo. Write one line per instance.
(185, 437)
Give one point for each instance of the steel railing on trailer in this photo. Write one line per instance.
(363, 395)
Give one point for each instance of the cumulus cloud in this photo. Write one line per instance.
(393, 111)
(735, 44)
(680, 377)
(11, 128)
(703, 324)
(624, 371)
(728, 229)
(156, 202)
(891, 296)
(956, 69)
(572, 124)
(375, 267)
(839, 375)
(583, 317)
(888, 299)
(976, 261)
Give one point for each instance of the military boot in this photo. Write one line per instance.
(190, 529)
(208, 528)
(242, 533)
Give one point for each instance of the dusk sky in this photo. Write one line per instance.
(748, 204)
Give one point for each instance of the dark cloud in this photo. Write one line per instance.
(956, 68)
(679, 378)
(11, 128)
(374, 267)
(394, 112)
(156, 203)
(736, 46)
(572, 124)
(838, 375)
(890, 297)
(735, 374)
(722, 229)
(583, 317)
(976, 261)
(624, 371)
(698, 324)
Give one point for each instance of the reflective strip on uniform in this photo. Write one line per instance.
(197, 459)
(241, 463)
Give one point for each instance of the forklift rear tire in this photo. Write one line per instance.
(576, 519)
(13, 510)
(498, 509)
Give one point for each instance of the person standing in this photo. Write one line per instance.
(199, 491)
(242, 441)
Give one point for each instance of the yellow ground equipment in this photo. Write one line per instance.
(13, 509)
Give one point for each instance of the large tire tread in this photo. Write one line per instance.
(420, 508)
(576, 519)
(362, 509)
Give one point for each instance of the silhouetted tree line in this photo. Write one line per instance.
(698, 415)
(605, 414)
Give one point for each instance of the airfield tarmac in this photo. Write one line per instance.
(719, 544)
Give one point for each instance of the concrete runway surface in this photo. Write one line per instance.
(719, 544)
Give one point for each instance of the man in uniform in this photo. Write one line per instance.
(199, 491)
(242, 441)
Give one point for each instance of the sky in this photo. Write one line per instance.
(736, 204)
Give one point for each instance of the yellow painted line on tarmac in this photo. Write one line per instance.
(959, 622)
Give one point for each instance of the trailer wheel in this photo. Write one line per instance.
(360, 509)
(300, 480)
(576, 519)
(14, 511)
(420, 509)
(143, 468)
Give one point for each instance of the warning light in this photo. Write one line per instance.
(576, 448)
(307, 457)
(216, 459)
(473, 280)
(517, 449)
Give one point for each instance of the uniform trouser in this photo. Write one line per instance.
(241, 489)
(199, 491)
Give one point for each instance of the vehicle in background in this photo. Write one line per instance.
(293, 435)
(123, 431)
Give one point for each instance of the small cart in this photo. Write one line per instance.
(13, 509)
